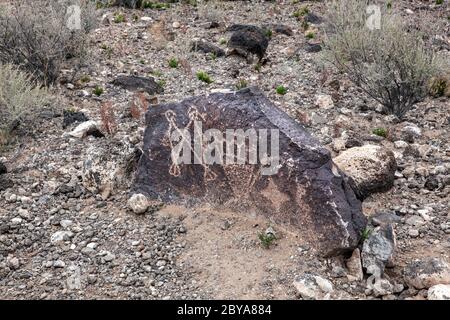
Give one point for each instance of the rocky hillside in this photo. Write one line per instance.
(70, 228)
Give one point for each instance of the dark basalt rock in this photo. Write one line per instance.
(306, 191)
(206, 47)
(5, 183)
(135, 83)
(247, 39)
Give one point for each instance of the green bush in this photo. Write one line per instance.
(203, 76)
(21, 98)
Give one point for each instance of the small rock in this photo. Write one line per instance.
(3, 169)
(414, 233)
(59, 264)
(61, 236)
(138, 203)
(86, 128)
(415, 221)
(354, 265)
(439, 292)
(109, 257)
(13, 262)
(324, 102)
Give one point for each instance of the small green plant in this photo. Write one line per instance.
(142, 61)
(85, 79)
(381, 132)
(389, 5)
(173, 63)
(281, 90)
(310, 35)
(203, 76)
(258, 67)
(439, 2)
(366, 233)
(98, 91)
(268, 33)
(161, 83)
(119, 18)
(266, 239)
(241, 84)
(301, 12)
(223, 41)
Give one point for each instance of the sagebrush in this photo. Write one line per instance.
(21, 98)
(40, 35)
(390, 62)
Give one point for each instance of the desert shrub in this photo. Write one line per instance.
(21, 98)
(40, 35)
(391, 63)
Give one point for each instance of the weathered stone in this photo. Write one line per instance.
(247, 40)
(439, 292)
(378, 249)
(426, 273)
(85, 129)
(206, 47)
(134, 83)
(138, 203)
(301, 188)
(372, 168)
(313, 287)
(108, 167)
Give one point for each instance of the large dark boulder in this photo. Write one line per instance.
(305, 190)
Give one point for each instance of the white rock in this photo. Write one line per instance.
(354, 266)
(60, 236)
(439, 292)
(400, 144)
(65, 223)
(84, 128)
(59, 264)
(138, 203)
(313, 287)
(13, 262)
